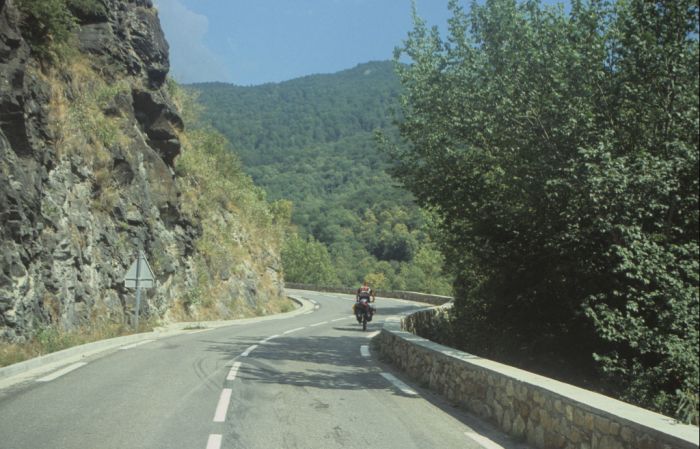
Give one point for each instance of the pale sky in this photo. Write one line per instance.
(250, 42)
(256, 41)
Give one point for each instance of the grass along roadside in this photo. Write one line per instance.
(52, 339)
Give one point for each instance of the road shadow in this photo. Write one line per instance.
(335, 362)
(326, 362)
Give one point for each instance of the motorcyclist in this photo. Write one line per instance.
(365, 292)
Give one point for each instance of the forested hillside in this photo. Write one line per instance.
(311, 141)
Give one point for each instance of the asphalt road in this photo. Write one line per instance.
(309, 381)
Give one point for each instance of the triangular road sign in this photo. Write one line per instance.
(140, 270)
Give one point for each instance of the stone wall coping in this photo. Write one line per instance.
(590, 401)
(394, 294)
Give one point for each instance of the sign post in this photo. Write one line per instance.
(139, 276)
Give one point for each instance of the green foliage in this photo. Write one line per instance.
(310, 142)
(48, 24)
(264, 121)
(561, 155)
(240, 230)
(308, 262)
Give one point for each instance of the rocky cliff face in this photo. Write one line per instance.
(87, 153)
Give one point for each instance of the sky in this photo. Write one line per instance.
(250, 42)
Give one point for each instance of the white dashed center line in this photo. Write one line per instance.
(222, 407)
(338, 319)
(271, 337)
(60, 373)
(234, 371)
(247, 352)
(319, 324)
(364, 350)
(214, 441)
(293, 330)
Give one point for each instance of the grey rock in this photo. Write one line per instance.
(72, 219)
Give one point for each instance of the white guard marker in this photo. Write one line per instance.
(234, 371)
(133, 345)
(405, 389)
(271, 337)
(60, 373)
(319, 324)
(247, 352)
(214, 441)
(364, 350)
(483, 441)
(222, 407)
(293, 330)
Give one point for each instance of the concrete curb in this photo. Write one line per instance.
(75, 353)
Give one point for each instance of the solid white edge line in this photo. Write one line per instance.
(373, 334)
(133, 345)
(214, 441)
(483, 441)
(364, 350)
(293, 330)
(319, 324)
(400, 385)
(222, 406)
(247, 352)
(61, 372)
(234, 371)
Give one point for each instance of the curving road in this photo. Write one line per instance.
(308, 381)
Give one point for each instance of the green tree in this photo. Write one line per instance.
(561, 155)
(307, 261)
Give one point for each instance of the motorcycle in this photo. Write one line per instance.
(363, 312)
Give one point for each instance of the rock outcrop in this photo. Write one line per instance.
(87, 154)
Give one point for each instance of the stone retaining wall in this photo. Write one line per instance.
(544, 412)
(411, 296)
